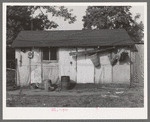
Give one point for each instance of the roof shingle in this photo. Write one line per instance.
(73, 38)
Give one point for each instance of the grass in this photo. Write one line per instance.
(100, 96)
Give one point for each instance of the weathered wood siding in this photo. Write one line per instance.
(103, 73)
(67, 64)
(121, 71)
(73, 66)
(79, 68)
(50, 69)
(35, 68)
(138, 64)
(23, 74)
(85, 68)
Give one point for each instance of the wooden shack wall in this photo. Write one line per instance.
(138, 65)
(121, 71)
(23, 67)
(79, 68)
(34, 70)
(67, 64)
(35, 66)
(28, 70)
(85, 72)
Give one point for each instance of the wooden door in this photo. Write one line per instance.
(85, 68)
(67, 63)
(50, 69)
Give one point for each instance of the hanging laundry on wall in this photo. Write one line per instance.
(114, 57)
(123, 56)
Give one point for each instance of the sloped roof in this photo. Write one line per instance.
(72, 38)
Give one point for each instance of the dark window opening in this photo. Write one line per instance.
(45, 53)
(53, 54)
(49, 54)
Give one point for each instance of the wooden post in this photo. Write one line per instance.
(41, 64)
(76, 64)
(112, 69)
(130, 70)
(16, 68)
(30, 69)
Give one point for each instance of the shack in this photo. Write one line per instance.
(87, 56)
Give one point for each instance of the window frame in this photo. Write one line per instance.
(49, 52)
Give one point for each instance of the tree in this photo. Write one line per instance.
(113, 17)
(21, 18)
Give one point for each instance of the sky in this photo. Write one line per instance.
(79, 11)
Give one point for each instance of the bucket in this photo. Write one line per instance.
(46, 85)
(65, 80)
(94, 59)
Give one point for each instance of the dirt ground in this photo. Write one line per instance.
(82, 95)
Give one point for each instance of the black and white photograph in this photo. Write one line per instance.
(75, 60)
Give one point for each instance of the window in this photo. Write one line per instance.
(49, 53)
(45, 53)
(53, 54)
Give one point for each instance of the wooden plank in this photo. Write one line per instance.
(85, 68)
(107, 74)
(103, 73)
(86, 52)
(64, 62)
(99, 75)
(121, 71)
(121, 74)
(132, 56)
(81, 67)
(82, 52)
(41, 54)
(24, 68)
(50, 71)
(35, 76)
(17, 54)
(131, 74)
(139, 65)
(89, 68)
(67, 63)
(73, 65)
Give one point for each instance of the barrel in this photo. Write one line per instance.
(65, 80)
(94, 59)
